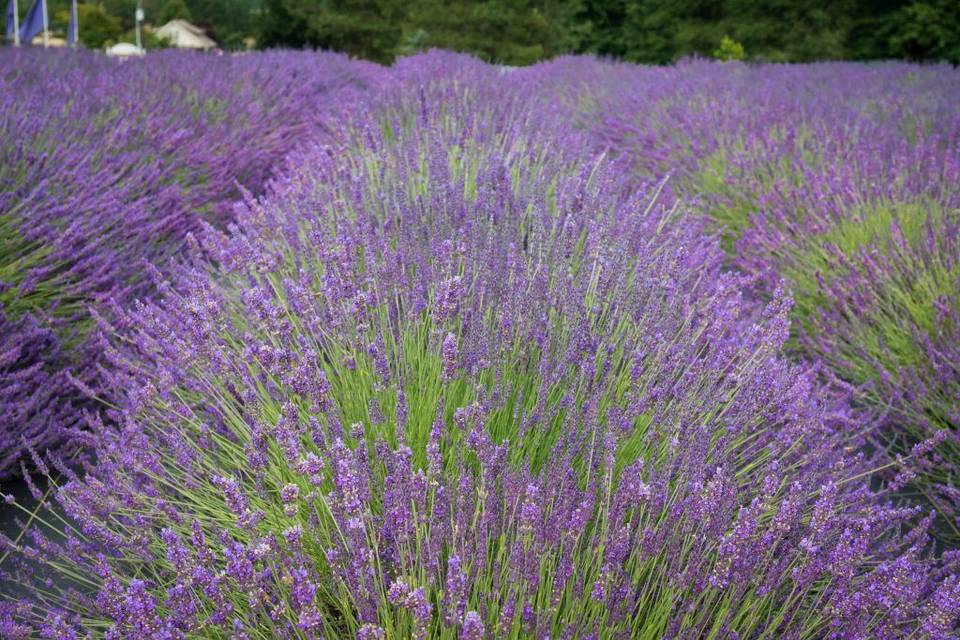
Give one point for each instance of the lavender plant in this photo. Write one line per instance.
(841, 179)
(880, 307)
(104, 168)
(451, 381)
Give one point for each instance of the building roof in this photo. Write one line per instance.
(185, 35)
(52, 41)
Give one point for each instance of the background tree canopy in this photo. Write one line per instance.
(523, 31)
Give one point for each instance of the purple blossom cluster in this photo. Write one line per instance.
(106, 169)
(456, 376)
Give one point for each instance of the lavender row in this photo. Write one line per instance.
(845, 180)
(106, 168)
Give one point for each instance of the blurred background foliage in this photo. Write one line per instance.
(517, 32)
(653, 31)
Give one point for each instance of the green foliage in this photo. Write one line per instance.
(502, 31)
(649, 29)
(173, 10)
(814, 266)
(635, 30)
(17, 257)
(729, 49)
(927, 30)
(123, 11)
(363, 28)
(97, 27)
(283, 26)
(773, 30)
(414, 42)
(515, 33)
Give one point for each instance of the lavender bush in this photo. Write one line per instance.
(843, 180)
(107, 167)
(447, 379)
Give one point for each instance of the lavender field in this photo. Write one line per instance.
(298, 346)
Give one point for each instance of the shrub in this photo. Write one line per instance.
(448, 380)
(728, 50)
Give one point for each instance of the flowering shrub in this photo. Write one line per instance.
(843, 180)
(449, 380)
(104, 168)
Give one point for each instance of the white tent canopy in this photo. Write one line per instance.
(184, 35)
(124, 50)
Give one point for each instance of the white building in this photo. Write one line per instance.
(183, 35)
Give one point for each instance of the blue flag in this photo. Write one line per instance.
(73, 29)
(9, 30)
(33, 23)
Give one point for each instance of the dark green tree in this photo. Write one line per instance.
(123, 10)
(650, 31)
(634, 30)
(596, 27)
(228, 21)
(364, 28)
(173, 10)
(368, 29)
(97, 27)
(514, 32)
(773, 30)
(283, 25)
(506, 31)
(927, 30)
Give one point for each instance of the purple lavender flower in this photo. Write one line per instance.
(455, 592)
(371, 632)
(448, 352)
(289, 495)
(622, 423)
(473, 628)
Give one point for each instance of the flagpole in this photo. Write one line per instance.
(16, 24)
(137, 17)
(46, 26)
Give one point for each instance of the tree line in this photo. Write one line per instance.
(517, 32)
(520, 32)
